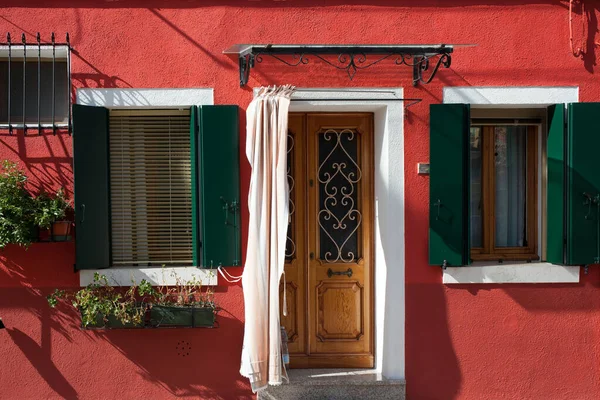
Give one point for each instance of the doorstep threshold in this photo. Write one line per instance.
(339, 376)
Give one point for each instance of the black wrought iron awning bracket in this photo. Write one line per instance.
(36, 48)
(351, 58)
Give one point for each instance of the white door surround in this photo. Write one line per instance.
(389, 209)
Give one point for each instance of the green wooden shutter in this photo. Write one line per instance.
(92, 191)
(219, 185)
(583, 184)
(449, 185)
(555, 209)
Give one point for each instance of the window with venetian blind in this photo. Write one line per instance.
(156, 187)
(150, 187)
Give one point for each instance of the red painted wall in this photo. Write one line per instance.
(467, 342)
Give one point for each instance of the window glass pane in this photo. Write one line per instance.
(61, 91)
(476, 187)
(510, 156)
(340, 212)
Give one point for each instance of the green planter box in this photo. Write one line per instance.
(194, 317)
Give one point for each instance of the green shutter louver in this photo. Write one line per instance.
(92, 191)
(583, 184)
(219, 195)
(555, 220)
(449, 185)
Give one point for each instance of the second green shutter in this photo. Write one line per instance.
(449, 186)
(583, 184)
(219, 195)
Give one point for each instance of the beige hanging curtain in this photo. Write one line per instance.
(266, 149)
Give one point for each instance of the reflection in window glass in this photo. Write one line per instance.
(476, 187)
(510, 161)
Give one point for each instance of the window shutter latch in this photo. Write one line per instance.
(438, 204)
(589, 201)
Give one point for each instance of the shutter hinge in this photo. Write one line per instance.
(444, 265)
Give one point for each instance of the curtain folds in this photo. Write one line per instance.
(266, 149)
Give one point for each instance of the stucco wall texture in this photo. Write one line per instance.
(462, 342)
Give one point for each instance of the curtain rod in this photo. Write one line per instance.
(412, 101)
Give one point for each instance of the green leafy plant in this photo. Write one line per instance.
(17, 207)
(50, 208)
(99, 302)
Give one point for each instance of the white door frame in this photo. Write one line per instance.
(389, 209)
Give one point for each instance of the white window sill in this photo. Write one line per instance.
(511, 272)
(167, 276)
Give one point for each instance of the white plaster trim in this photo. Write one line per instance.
(389, 211)
(507, 97)
(511, 96)
(167, 276)
(512, 273)
(16, 51)
(145, 98)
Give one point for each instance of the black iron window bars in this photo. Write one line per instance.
(13, 51)
(349, 58)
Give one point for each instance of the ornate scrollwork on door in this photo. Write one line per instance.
(290, 245)
(339, 177)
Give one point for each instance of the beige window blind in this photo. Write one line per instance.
(151, 190)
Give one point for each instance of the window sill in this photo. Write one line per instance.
(511, 272)
(167, 276)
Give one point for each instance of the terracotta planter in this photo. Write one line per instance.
(61, 231)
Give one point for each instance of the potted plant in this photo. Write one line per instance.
(17, 207)
(102, 306)
(185, 304)
(50, 216)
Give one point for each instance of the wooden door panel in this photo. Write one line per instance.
(295, 260)
(291, 320)
(341, 307)
(340, 231)
(329, 316)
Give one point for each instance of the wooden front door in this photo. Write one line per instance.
(329, 252)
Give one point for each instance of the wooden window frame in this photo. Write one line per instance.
(489, 251)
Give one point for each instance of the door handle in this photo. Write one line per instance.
(348, 272)
(82, 213)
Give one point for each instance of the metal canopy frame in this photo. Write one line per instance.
(349, 58)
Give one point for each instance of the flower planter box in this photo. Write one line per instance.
(194, 317)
